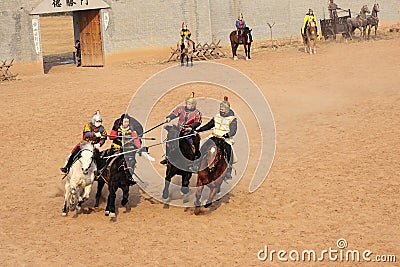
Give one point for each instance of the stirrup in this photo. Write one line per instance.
(164, 161)
(132, 182)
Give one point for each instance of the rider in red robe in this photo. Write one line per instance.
(189, 119)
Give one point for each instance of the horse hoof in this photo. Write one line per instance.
(112, 215)
(207, 205)
(197, 203)
(107, 213)
(197, 211)
(124, 201)
(64, 214)
(165, 195)
(184, 190)
(235, 58)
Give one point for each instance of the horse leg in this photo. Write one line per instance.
(197, 202)
(100, 185)
(182, 58)
(369, 32)
(67, 196)
(248, 50)
(167, 181)
(376, 28)
(234, 49)
(211, 196)
(185, 183)
(107, 212)
(111, 200)
(125, 195)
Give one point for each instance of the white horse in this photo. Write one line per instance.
(79, 180)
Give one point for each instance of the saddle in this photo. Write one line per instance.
(240, 34)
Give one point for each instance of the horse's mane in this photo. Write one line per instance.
(87, 146)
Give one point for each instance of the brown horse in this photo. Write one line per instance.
(244, 38)
(186, 46)
(310, 38)
(214, 162)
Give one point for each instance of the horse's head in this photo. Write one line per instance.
(212, 153)
(311, 28)
(86, 158)
(364, 10)
(172, 133)
(376, 8)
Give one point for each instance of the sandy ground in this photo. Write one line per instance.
(335, 173)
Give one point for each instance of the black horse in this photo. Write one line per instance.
(180, 157)
(244, 38)
(115, 172)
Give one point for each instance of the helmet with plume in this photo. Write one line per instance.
(191, 100)
(226, 104)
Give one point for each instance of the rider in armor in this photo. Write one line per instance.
(94, 133)
(189, 119)
(240, 25)
(224, 125)
(308, 18)
(185, 34)
(128, 127)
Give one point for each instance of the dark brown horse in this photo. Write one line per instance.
(373, 20)
(244, 38)
(180, 157)
(359, 22)
(214, 162)
(114, 172)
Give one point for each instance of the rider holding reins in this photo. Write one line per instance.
(125, 136)
(94, 133)
(189, 119)
(309, 17)
(224, 125)
(185, 34)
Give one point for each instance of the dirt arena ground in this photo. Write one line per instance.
(335, 174)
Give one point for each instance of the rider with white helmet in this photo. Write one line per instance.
(94, 133)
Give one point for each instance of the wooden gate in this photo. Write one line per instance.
(90, 37)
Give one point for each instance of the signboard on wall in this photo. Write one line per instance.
(55, 6)
(36, 35)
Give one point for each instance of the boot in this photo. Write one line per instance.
(131, 181)
(68, 164)
(164, 161)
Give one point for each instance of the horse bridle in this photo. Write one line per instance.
(92, 158)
